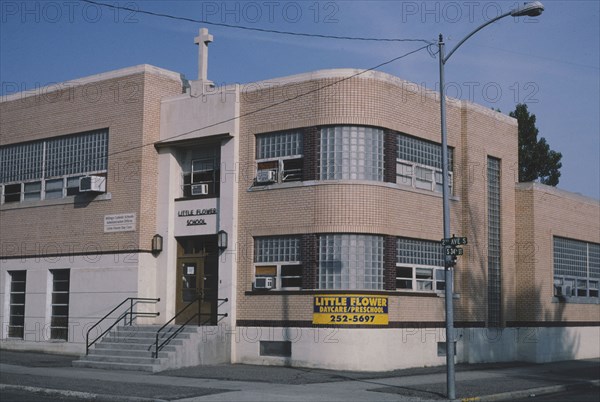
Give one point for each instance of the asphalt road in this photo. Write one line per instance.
(587, 394)
(22, 373)
(26, 396)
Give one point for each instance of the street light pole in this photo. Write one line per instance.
(450, 384)
(531, 9)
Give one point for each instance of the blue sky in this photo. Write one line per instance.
(552, 63)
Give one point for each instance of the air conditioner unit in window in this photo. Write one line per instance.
(92, 184)
(266, 176)
(263, 283)
(567, 290)
(557, 290)
(562, 290)
(199, 189)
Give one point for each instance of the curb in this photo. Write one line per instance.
(78, 394)
(504, 396)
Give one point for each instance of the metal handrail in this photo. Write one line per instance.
(158, 346)
(129, 312)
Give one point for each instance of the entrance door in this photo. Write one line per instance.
(190, 287)
(197, 280)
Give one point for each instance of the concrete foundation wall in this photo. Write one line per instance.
(390, 349)
(208, 345)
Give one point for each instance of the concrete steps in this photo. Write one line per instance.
(132, 348)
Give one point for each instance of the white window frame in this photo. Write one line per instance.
(573, 274)
(575, 282)
(282, 254)
(401, 176)
(415, 281)
(281, 160)
(191, 172)
(43, 171)
(279, 278)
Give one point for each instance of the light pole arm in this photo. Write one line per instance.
(479, 28)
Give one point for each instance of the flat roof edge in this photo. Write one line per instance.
(123, 72)
(348, 73)
(534, 186)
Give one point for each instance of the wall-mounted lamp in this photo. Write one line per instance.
(222, 239)
(157, 244)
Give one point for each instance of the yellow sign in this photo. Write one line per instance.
(350, 310)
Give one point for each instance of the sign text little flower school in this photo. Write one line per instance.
(350, 310)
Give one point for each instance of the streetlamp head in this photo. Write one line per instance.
(531, 9)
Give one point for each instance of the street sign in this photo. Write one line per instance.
(454, 241)
(454, 251)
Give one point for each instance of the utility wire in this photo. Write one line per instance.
(264, 30)
(297, 96)
(260, 109)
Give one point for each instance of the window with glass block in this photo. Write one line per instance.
(576, 268)
(51, 168)
(419, 164)
(279, 157)
(419, 265)
(350, 262)
(279, 257)
(351, 153)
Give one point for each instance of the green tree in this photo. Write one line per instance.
(536, 160)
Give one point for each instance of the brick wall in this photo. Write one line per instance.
(485, 133)
(129, 106)
(311, 153)
(542, 213)
(369, 207)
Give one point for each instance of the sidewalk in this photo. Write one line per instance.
(53, 374)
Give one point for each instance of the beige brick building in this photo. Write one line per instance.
(105, 125)
(306, 211)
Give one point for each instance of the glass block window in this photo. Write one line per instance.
(350, 261)
(272, 249)
(279, 258)
(421, 152)
(494, 250)
(21, 162)
(351, 153)
(576, 267)
(59, 322)
(276, 145)
(419, 164)
(419, 252)
(419, 265)
(51, 168)
(76, 154)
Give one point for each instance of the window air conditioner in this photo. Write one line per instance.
(199, 189)
(566, 291)
(562, 290)
(263, 283)
(266, 176)
(95, 184)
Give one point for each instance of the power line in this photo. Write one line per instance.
(297, 96)
(262, 108)
(264, 30)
